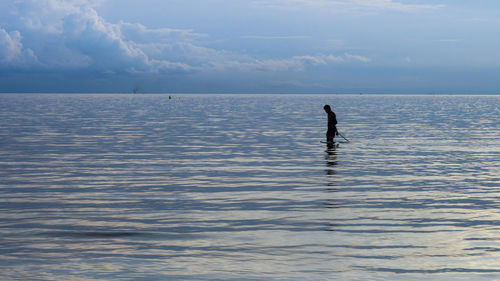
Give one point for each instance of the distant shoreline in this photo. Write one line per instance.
(247, 94)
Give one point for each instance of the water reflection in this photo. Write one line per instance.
(330, 171)
(331, 183)
(331, 160)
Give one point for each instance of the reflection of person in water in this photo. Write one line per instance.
(331, 161)
(331, 182)
(332, 124)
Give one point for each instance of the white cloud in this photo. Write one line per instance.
(56, 34)
(12, 51)
(141, 34)
(357, 58)
(10, 45)
(71, 34)
(341, 6)
(47, 15)
(394, 5)
(297, 63)
(88, 34)
(285, 37)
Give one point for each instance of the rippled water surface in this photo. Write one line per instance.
(143, 187)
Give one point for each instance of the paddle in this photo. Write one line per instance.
(338, 133)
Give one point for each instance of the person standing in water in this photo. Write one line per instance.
(332, 124)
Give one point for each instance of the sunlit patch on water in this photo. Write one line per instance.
(240, 187)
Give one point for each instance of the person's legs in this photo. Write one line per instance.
(329, 137)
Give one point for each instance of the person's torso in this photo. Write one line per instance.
(332, 119)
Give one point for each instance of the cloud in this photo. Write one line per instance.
(286, 37)
(296, 63)
(47, 15)
(341, 6)
(12, 51)
(71, 35)
(357, 58)
(103, 43)
(327, 59)
(141, 34)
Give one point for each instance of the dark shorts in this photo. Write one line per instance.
(331, 132)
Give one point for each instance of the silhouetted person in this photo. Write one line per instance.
(332, 124)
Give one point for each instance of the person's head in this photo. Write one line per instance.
(327, 108)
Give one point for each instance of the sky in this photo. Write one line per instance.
(250, 46)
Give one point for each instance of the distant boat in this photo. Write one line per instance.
(135, 90)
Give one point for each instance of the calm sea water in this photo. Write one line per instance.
(215, 187)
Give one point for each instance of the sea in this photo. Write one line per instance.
(240, 187)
